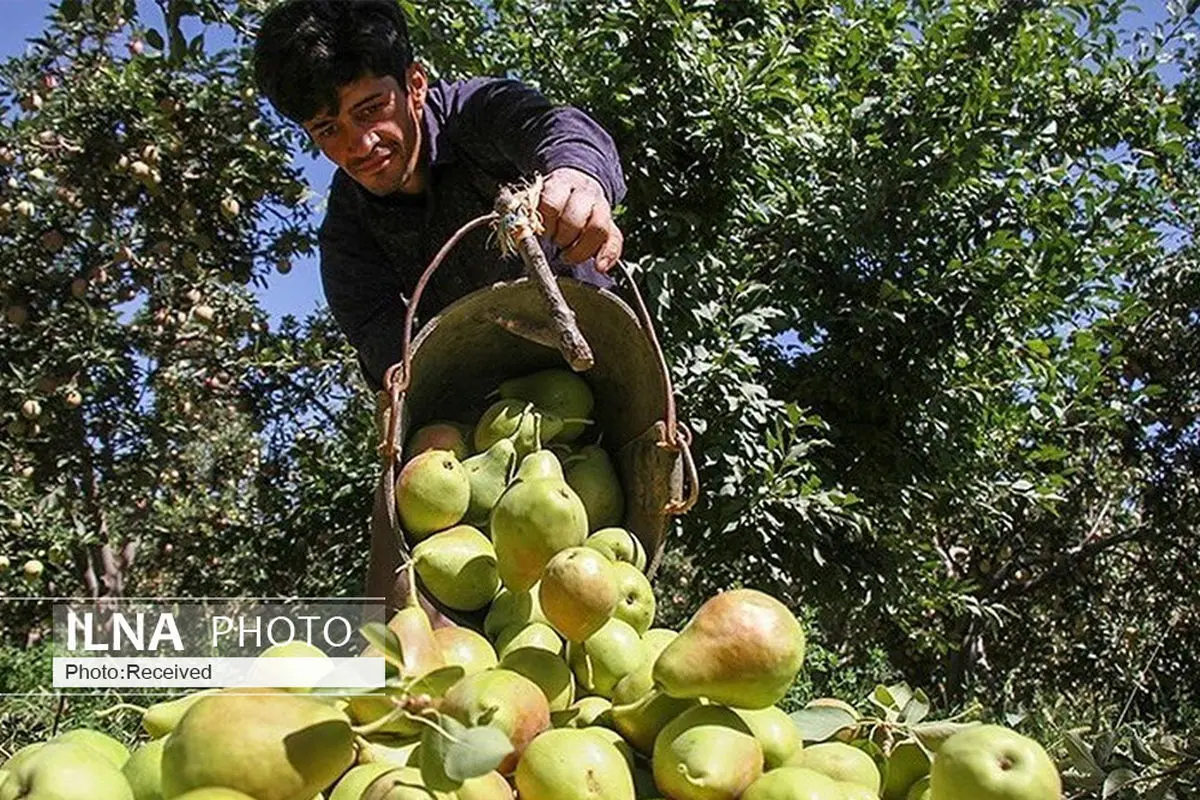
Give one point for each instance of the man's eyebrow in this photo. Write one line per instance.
(368, 99)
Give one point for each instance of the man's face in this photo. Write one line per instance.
(375, 135)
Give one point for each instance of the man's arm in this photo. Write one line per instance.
(504, 120)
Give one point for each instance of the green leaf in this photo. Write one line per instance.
(70, 9)
(437, 682)
(818, 723)
(478, 752)
(1116, 781)
(154, 39)
(384, 639)
(917, 708)
(434, 752)
(1081, 755)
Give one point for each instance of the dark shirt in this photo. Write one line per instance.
(478, 135)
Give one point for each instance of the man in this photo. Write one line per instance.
(418, 160)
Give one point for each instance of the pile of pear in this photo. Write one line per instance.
(592, 700)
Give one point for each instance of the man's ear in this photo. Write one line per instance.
(418, 84)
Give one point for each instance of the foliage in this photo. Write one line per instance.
(926, 274)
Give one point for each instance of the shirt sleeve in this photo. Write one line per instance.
(367, 299)
(503, 119)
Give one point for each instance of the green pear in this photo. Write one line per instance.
(539, 465)
(616, 740)
(619, 545)
(161, 718)
(557, 390)
(841, 762)
(591, 474)
(775, 731)
(547, 670)
(65, 771)
(742, 648)
(991, 762)
(907, 763)
(635, 603)
(353, 785)
(528, 427)
(505, 700)
(569, 764)
(292, 649)
(533, 521)
(535, 634)
(491, 786)
(607, 656)
(637, 684)
(706, 752)
(584, 712)
(578, 592)
(488, 474)
(439, 435)
(21, 756)
(920, 790)
(143, 770)
(466, 648)
(214, 793)
(459, 567)
(853, 791)
(432, 493)
(400, 783)
(280, 747)
(512, 608)
(641, 721)
(102, 743)
(794, 783)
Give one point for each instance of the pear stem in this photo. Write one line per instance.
(381, 723)
(410, 567)
(119, 707)
(431, 724)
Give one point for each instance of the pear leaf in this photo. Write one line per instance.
(477, 752)
(434, 751)
(1117, 780)
(385, 640)
(818, 723)
(436, 683)
(1081, 755)
(917, 708)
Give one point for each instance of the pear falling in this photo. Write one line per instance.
(488, 475)
(533, 521)
(742, 648)
(459, 567)
(591, 474)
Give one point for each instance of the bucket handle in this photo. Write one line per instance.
(679, 436)
(398, 376)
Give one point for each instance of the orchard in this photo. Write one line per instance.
(926, 280)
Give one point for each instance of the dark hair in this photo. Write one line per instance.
(307, 49)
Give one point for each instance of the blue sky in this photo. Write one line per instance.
(299, 292)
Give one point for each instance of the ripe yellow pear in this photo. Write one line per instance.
(465, 648)
(504, 699)
(840, 762)
(742, 648)
(282, 747)
(571, 764)
(578, 592)
(607, 656)
(161, 718)
(143, 770)
(794, 783)
(64, 771)
(102, 743)
(991, 762)
(706, 753)
(775, 731)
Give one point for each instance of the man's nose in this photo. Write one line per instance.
(363, 140)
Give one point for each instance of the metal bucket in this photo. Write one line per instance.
(463, 353)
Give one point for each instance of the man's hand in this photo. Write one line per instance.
(578, 218)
